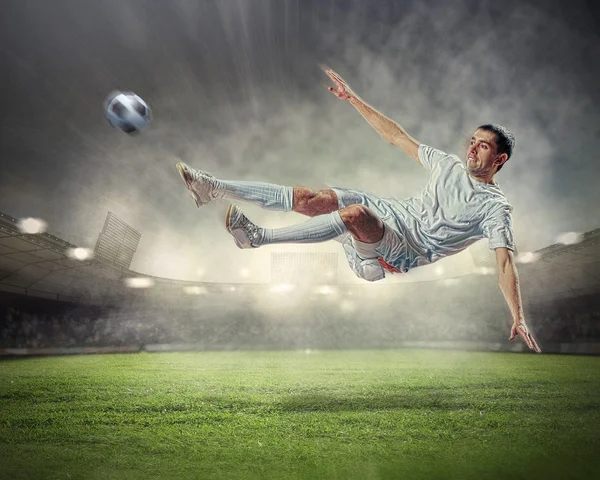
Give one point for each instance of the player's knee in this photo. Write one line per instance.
(302, 197)
(311, 203)
(362, 223)
(358, 215)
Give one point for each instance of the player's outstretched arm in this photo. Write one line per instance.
(509, 284)
(387, 128)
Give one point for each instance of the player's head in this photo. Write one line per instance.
(490, 148)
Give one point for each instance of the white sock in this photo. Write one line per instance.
(265, 195)
(318, 229)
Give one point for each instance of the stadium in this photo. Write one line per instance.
(57, 303)
(138, 342)
(302, 346)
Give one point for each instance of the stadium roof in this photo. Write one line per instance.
(40, 265)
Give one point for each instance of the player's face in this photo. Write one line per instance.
(482, 155)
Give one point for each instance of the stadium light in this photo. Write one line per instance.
(485, 271)
(195, 290)
(80, 254)
(245, 272)
(570, 238)
(326, 290)
(528, 257)
(32, 225)
(139, 282)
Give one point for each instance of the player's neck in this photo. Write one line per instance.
(488, 179)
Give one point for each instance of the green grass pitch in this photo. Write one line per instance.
(327, 414)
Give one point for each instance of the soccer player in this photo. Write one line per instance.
(460, 204)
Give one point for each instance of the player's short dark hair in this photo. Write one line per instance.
(505, 140)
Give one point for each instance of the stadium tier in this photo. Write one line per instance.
(49, 298)
(41, 265)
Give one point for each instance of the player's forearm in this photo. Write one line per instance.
(386, 127)
(509, 284)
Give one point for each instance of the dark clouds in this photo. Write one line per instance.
(235, 88)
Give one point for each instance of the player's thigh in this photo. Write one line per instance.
(347, 197)
(393, 248)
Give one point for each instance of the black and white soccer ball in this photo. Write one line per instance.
(127, 112)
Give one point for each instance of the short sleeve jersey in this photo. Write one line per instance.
(455, 210)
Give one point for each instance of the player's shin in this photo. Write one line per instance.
(318, 229)
(266, 195)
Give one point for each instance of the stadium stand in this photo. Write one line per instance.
(51, 303)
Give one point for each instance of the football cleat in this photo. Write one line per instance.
(200, 184)
(244, 232)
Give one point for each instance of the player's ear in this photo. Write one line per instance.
(501, 160)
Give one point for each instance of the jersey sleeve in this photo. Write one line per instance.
(497, 227)
(430, 157)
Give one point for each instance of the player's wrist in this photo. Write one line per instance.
(354, 100)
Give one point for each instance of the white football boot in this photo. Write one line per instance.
(244, 232)
(200, 184)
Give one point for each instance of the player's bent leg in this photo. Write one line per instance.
(365, 228)
(364, 225)
(367, 231)
(320, 228)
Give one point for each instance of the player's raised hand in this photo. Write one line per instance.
(341, 89)
(520, 328)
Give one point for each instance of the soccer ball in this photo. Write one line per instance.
(126, 111)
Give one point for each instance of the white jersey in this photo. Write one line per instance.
(453, 211)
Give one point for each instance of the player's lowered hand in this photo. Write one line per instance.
(341, 89)
(520, 328)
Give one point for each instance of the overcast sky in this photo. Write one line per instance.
(236, 90)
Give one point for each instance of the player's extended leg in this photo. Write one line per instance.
(204, 187)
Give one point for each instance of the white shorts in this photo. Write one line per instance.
(393, 248)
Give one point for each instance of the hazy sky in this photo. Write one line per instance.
(236, 90)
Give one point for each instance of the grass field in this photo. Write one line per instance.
(329, 414)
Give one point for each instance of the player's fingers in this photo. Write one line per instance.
(530, 341)
(337, 78)
(331, 74)
(536, 347)
(524, 335)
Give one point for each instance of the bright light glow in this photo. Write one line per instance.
(140, 282)
(347, 306)
(570, 238)
(32, 225)
(528, 257)
(232, 289)
(245, 272)
(485, 271)
(326, 290)
(79, 253)
(195, 290)
(284, 287)
(439, 270)
(200, 272)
